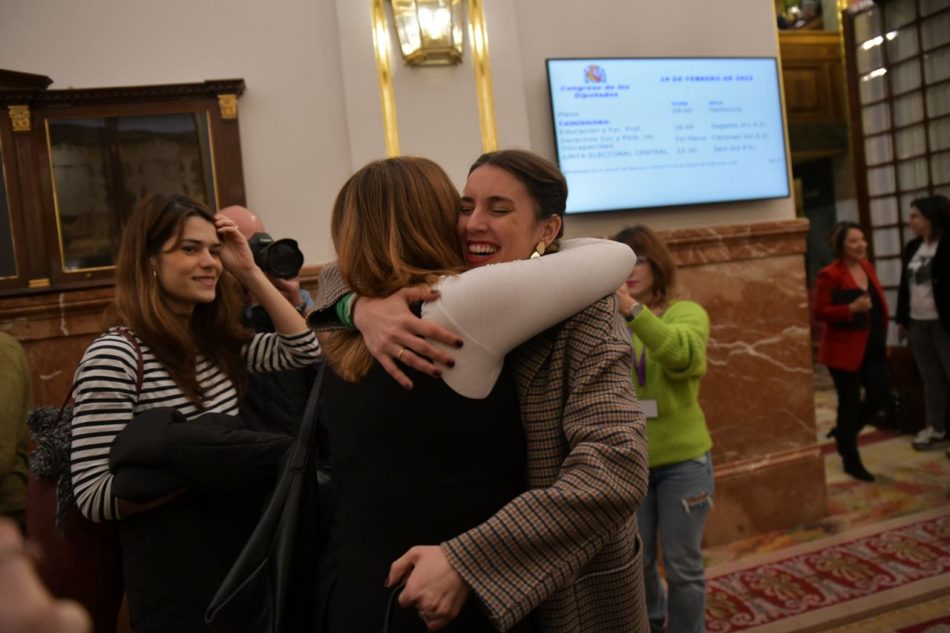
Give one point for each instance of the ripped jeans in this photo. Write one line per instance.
(675, 510)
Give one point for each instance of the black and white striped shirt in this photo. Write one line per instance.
(105, 400)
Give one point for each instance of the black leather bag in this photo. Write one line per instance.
(271, 586)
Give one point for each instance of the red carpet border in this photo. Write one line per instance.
(830, 576)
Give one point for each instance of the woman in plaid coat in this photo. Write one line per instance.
(566, 549)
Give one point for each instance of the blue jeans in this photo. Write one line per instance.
(675, 510)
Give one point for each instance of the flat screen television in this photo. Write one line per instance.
(633, 133)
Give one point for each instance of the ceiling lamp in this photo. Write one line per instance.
(430, 31)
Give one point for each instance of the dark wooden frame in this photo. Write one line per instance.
(858, 137)
(27, 166)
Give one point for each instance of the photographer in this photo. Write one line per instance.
(274, 401)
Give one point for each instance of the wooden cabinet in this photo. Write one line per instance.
(813, 78)
(75, 163)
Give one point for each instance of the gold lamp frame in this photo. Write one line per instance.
(430, 31)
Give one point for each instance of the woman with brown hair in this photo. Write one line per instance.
(175, 342)
(505, 511)
(670, 336)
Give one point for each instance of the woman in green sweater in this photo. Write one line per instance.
(669, 347)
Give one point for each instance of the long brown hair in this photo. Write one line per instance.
(393, 225)
(646, 244)
(214, 328)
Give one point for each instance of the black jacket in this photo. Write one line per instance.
(175, 556)
(941, 282)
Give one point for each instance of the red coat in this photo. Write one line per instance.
(842, 348)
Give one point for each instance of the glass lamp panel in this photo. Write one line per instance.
(867, 25)
(888, 271)
(887, 242)
(901, 44)
(937, 65)
(876, 118)
(904, 77)
(939, 133)
(912, 174)
(910, 142)
(935, 30)
(872, 88)
(878, 149)
(908, 109)
(932, 6)
(900, 13)
(883, 211)
(869, 58)
(938, 100)
(881, 181)
(940, 167)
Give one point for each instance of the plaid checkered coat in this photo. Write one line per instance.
(567, 547)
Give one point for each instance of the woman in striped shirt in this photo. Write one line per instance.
(177, 292)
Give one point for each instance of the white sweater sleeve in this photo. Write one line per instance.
(496, 308)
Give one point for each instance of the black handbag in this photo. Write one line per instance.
(271, 586)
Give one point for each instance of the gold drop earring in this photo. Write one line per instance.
(538, 251)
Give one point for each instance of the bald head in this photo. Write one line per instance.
(246, 220)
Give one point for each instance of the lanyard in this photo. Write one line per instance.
(642, 366)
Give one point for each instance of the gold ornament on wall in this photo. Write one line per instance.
(228, 106)
(20, 118)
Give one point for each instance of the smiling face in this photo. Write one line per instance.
(498, 221)
(855, 246)
(188, 266)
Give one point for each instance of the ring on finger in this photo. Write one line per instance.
(399, 353)
(426, 615)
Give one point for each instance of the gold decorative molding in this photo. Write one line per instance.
(20, 117)
(228, 106)
(384, 75)
(478, 36)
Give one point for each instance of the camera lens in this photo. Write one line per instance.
(284, 259)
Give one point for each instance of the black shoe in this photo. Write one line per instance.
(856, 469)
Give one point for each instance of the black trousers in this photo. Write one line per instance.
(853, 411)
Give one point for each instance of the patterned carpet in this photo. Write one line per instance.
(851, 564)
(832, 579)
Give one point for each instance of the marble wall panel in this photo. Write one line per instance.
(758, 393)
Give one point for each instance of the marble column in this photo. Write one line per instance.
(758, 394)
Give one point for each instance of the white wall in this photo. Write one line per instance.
(293, 141)
(311, 113)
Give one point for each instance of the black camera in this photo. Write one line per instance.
(278, 258)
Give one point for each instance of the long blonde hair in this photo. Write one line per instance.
(393, 225)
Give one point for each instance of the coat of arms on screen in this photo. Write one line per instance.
(594, 74)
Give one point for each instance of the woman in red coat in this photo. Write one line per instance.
(851, 304)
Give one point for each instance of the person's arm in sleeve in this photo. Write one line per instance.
(679, 344)
(539, 542)
(104, 400)
(275, 351)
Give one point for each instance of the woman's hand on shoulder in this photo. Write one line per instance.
(393, 333)
(236, 255)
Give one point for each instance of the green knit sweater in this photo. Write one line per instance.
(15, 397)
(675, 362)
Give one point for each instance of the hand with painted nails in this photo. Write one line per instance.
(393, 333)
